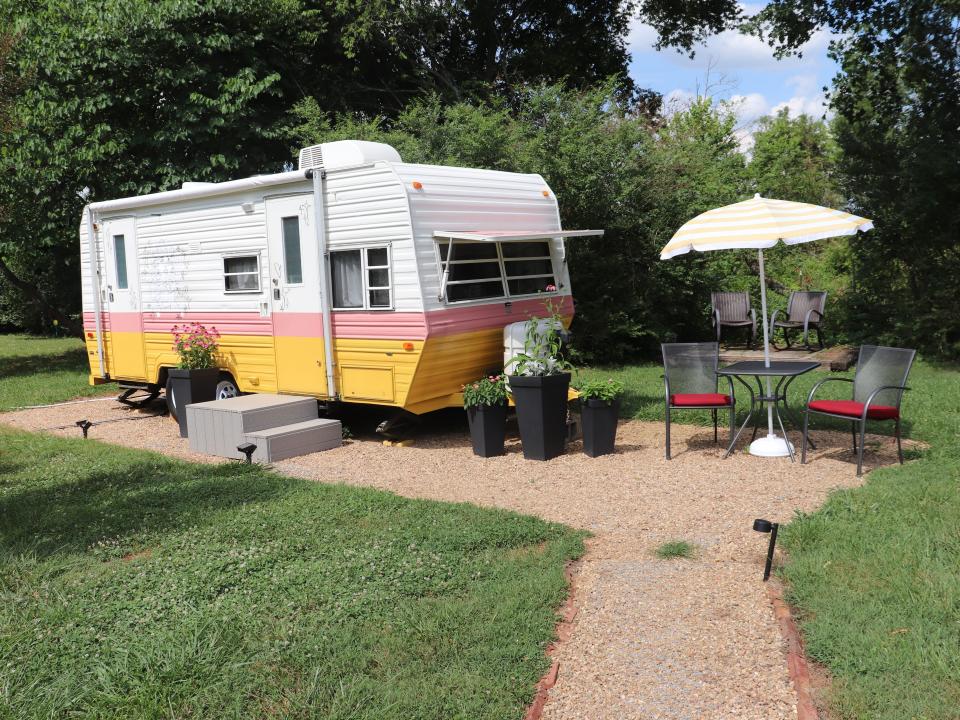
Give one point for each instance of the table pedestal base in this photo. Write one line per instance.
(771, 446)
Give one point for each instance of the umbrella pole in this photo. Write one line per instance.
(766, 337)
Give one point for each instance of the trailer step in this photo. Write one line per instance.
(300, 438)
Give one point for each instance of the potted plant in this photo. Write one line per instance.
(539, 387)
(485, 401)
(599, 409)
(194, 380)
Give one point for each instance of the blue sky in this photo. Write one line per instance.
(737, 68)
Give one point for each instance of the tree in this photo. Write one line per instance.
(897, 100)
(611, 167)
(133, 96)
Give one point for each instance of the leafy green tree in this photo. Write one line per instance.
(133, 96)
(897, 100)
(611, 167)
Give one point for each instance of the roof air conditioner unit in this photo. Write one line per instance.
(346, 153)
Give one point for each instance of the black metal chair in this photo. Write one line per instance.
(878, 385)
(690, 382)
(733, 309)
(804, 310)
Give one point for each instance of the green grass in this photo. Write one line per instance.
(136, 586)
(676, 549)
(875, 573)
(36, 371)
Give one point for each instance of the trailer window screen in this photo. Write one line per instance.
(293, 269)
(360, 279)
(482, 270)
(241, 274)
(120, 258)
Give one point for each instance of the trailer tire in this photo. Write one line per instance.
(227, 387)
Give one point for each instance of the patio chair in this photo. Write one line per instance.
(804, 310)
(733, 309)
(690, 382)
(878, 385)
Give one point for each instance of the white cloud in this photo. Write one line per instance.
(728, 51)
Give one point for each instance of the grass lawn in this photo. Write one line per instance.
(875, 572)
(136, 586)
(38, 370)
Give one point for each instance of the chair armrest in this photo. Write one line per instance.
(666, 389)
(866, 405)
(806, 320)
(823, 382)
(715, 318)
(773, 319)
(753, 319)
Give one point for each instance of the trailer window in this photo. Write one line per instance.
(293, 268)
(120, 259)
(241, 274)
(483, 270)
(360, 279)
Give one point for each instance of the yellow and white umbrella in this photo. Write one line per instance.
(757, 224)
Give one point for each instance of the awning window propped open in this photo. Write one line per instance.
(512, 235)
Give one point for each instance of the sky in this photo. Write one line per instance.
(738, 68)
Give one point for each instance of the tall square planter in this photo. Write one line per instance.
(185, 387)
(541, 413)
(488, 429)
(599, 422)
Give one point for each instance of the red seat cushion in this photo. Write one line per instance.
(851, 408)
(695, 399)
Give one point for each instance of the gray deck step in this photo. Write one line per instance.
(217, 427)
(295, 439)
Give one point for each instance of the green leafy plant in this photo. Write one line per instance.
(606, 390)
(676, 549)
(196, 346)
(490, 390)
(541, 346)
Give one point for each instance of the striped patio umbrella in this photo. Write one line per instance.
(757, 224)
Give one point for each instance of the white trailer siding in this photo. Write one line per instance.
(468, 199)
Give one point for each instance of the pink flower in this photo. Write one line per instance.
(551, 288)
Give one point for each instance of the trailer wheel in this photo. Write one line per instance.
(227, 387)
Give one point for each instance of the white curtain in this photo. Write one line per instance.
(347, 272)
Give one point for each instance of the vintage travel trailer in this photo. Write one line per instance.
(356, 277)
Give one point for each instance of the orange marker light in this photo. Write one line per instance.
(417, 185)
(546, 193)
(408, 346)
(89, 335)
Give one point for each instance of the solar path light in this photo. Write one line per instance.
(765, 526)
(85, 426)
(247, 448)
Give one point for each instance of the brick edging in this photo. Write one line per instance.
(567, 612)
(797, 666)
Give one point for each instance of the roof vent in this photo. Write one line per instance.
(344, 153)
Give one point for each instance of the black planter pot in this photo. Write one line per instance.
(541, 413)
(185, 387)
(599, 420)
(488, 427)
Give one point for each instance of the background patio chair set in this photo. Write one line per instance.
(691, 383)
(805, 309)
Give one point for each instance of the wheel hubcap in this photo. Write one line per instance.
(226, 389)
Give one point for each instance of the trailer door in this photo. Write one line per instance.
(121, 299)
(295, 295)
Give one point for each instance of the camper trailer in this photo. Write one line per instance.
(356, 277)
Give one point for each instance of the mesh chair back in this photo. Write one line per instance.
(878, 366)
(800, 303)
(691, 367)
(733, 306)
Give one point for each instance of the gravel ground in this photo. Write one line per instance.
(652, 638)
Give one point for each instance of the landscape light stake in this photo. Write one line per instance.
(765, 526)
(247, 449)
(85, 426)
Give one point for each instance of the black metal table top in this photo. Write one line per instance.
(778, 368)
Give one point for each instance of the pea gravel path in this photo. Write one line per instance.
(652, 638)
